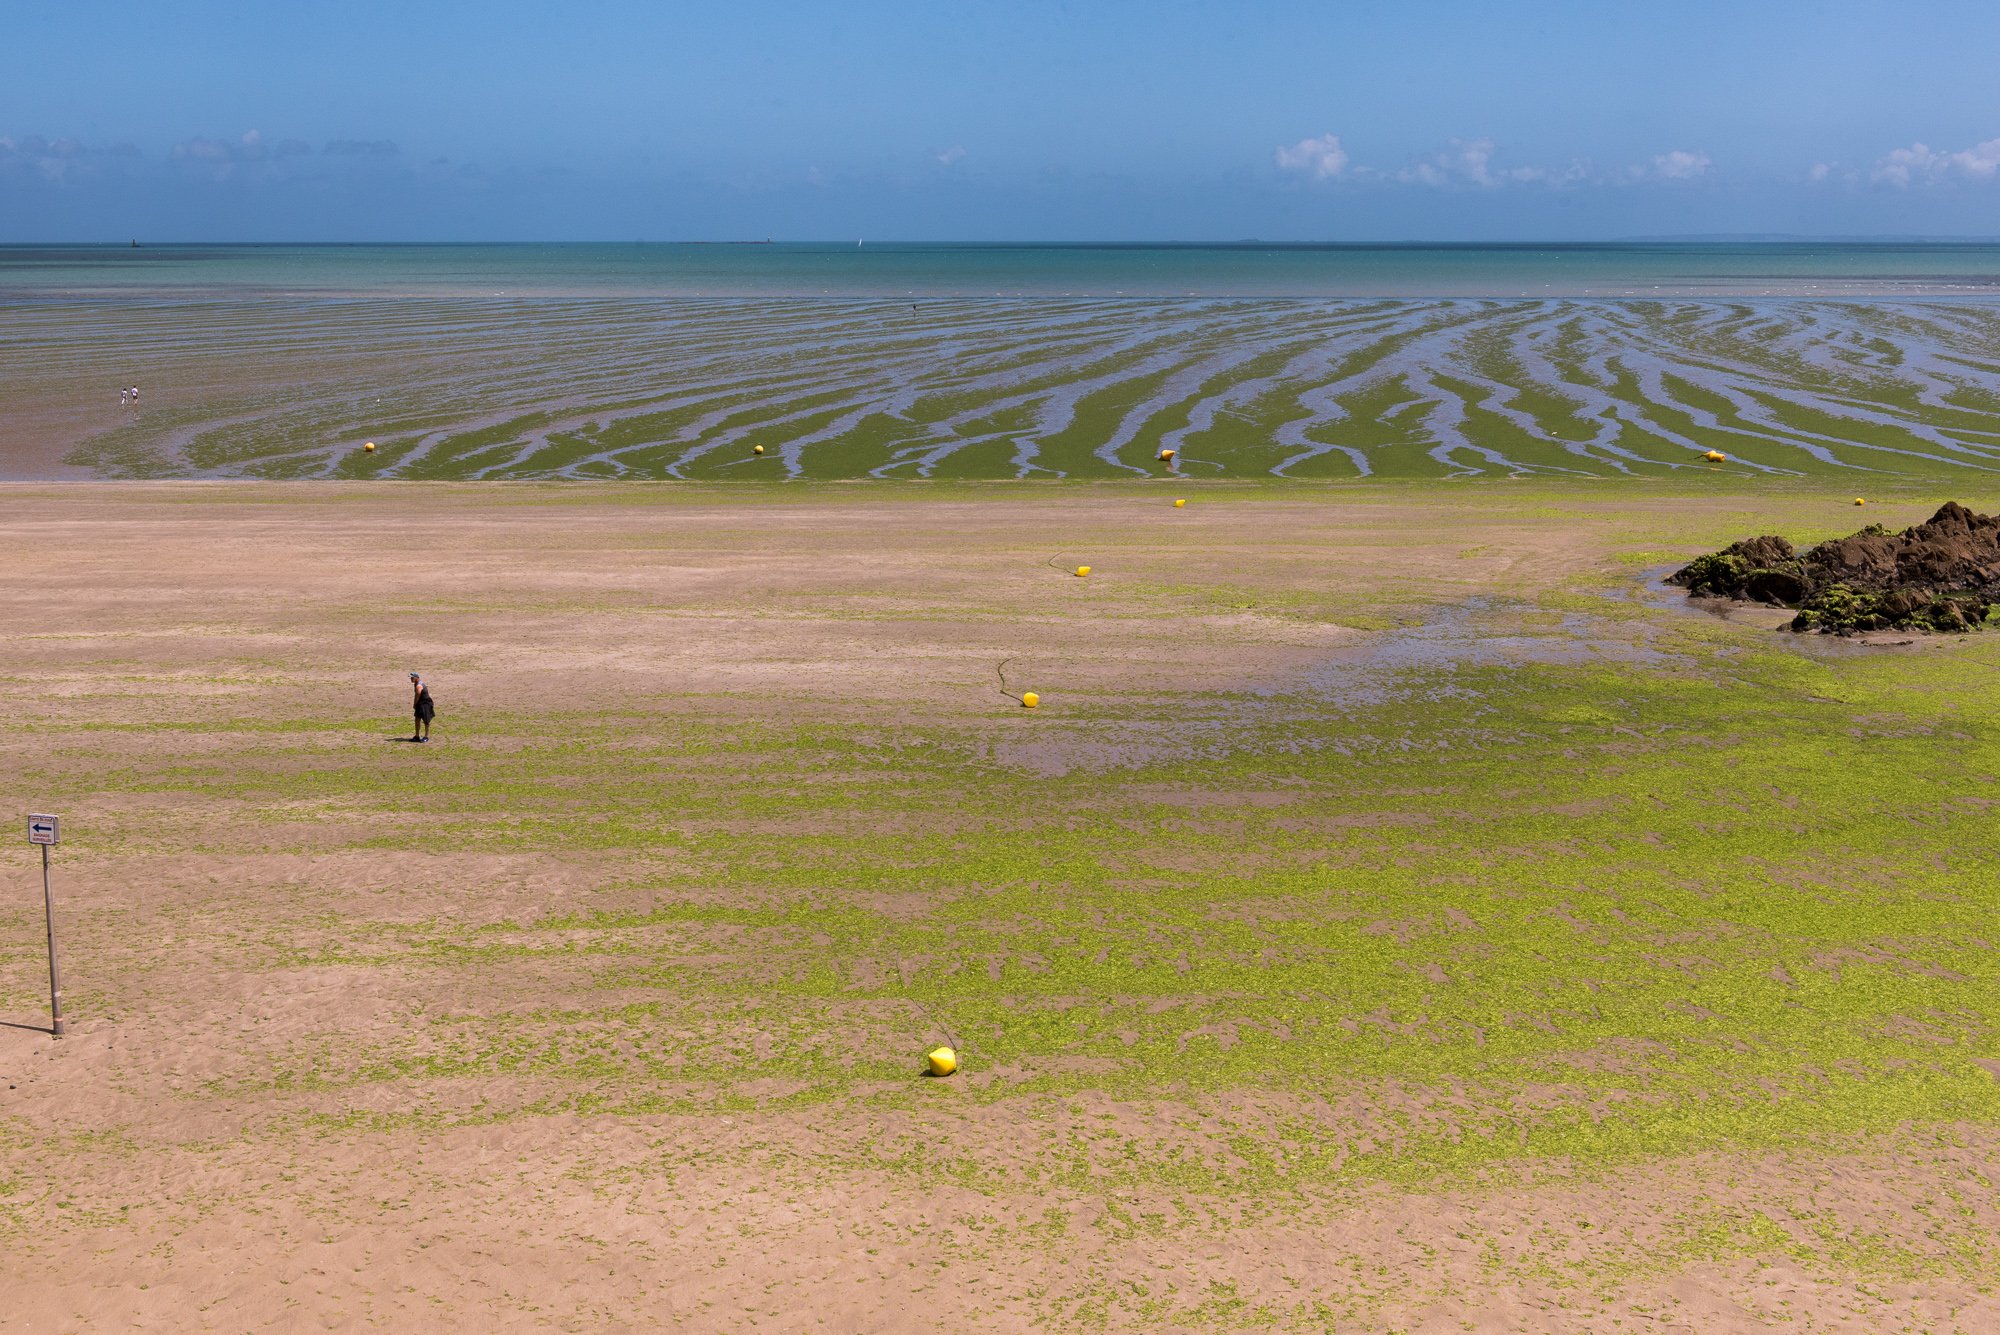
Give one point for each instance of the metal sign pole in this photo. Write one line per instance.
(46, 831)
(55, 971)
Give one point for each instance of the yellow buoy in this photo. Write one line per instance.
(1166, 456)
(1715, 456)
(1859, 501)
(1030, 700)
(1179, 503)
(941, 1061)
(369, 448)
(756, 449)
(1081, 571)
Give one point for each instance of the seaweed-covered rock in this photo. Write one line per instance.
(1764, 570)
(1940, 575)
(1780, 588)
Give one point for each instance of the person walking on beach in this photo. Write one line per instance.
(124, 397)
(420, 702)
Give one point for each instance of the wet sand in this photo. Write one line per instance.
(473, 387)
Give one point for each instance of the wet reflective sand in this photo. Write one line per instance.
(546, 387)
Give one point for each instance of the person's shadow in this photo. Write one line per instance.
(400, 738)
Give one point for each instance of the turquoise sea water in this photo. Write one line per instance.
(895, 362)
(1246, 270)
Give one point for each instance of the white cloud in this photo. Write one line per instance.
(1981, 160)
(1901, 167)
(35, 146)
(58, 160)
(1680, 165)
(1470, 162)
(354, 148)
(1467, 160)
(249, 148)
(951, 155)
(1477, 164)
(1919, 164)
(1822, 173)
(1323, 158)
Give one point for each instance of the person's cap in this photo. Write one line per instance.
(413, 676)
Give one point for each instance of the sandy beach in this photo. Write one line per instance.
(1368, 931)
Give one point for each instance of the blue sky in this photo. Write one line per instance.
(943, 120)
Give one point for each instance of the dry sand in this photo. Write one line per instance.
(148, 1180)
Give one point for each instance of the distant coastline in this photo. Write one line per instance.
(1705, 269)
(1083, 243)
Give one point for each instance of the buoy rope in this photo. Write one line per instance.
(935, 1020)
(1000, 671)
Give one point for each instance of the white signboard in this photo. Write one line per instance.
(44, 830)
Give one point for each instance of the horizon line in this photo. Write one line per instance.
(1691, 238)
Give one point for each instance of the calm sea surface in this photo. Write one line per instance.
(1247, 270)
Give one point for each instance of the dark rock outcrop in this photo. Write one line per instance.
(1941, 575)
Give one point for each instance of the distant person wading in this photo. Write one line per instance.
(420, 702)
